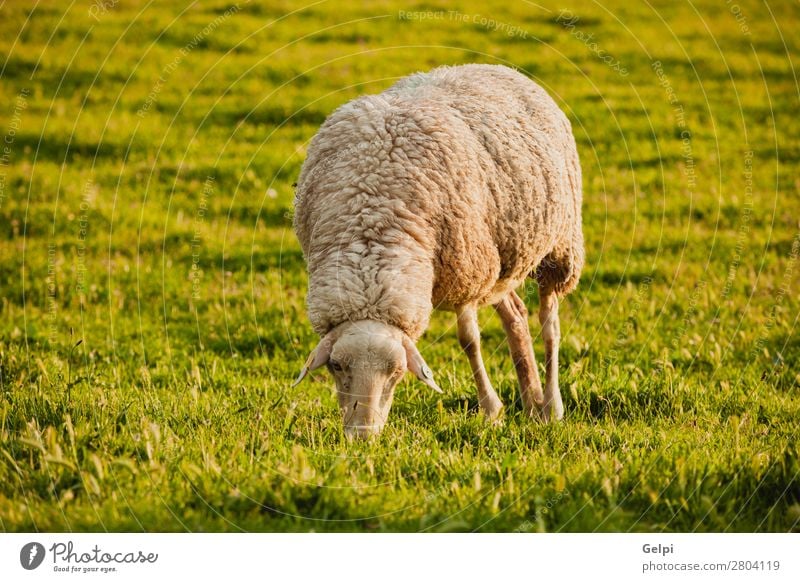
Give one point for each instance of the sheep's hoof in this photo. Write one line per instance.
(553, 411)
(497, 419)
(493, 410)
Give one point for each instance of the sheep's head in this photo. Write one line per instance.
(367, 359)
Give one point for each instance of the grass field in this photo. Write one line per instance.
(153, 291)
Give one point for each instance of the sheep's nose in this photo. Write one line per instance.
(361, 431)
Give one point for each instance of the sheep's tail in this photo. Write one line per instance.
(560, 270)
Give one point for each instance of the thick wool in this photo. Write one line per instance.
(447, 189)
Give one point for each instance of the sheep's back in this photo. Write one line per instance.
(518, 199)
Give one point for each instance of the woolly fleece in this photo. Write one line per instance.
(447, 189)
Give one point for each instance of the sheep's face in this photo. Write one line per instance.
(367, 362)
(367, 359)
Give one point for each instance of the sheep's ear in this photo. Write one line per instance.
(417, 365)
(319, 357)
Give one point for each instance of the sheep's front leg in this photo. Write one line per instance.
(514, 315)
(551, 332)
(469, 336)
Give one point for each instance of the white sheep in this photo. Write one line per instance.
(445, 191)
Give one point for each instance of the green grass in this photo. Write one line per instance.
(136, 395)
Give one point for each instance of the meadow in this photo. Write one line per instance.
(152, 290)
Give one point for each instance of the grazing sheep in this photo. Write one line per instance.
(445, 191)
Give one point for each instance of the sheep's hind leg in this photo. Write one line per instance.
(469, 336)
(551, 332)
(514, 315)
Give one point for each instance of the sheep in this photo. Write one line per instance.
(445, 191)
